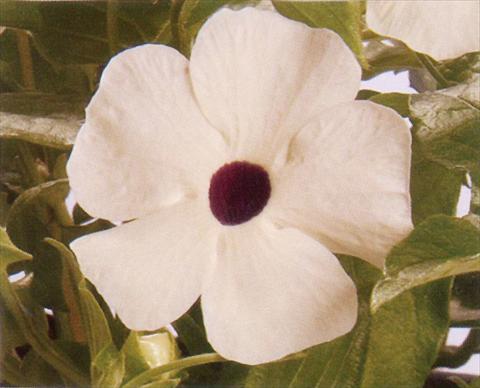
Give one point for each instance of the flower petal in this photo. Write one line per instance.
(442, 29)
(145, 143)
(151, 270)
(347, 181)
(259, 76)
(275, 292)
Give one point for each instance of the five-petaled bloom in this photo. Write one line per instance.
(442, 28)
(243, 170)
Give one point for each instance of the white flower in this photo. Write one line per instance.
(243, 169)
(440, 28)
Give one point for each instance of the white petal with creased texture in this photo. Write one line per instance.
(442, 28)
(259, 76)
(151, 270)
(275, 292)
(145, 143)
(347, 181)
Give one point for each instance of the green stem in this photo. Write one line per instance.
(433, 71)
(112, 26)
(62, 215)
(26, 64)
(12, 374)
(28, 162)
(161, 31)
(177, 40)
(455, 356)
(187, 362)
(369, 35)
(439, 379)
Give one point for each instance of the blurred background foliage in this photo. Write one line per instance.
(56, 330)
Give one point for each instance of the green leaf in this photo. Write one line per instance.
(396, 347)
(39, 371)
(192, 334)
(96, 325)
(23, 165)
(48, 284)
(343, 17)
(474, 219)
(31, 324)
(170, 383)
(108, 367)
(397, 101)
(366, 94)
(29, 221)
(11, 69)
(273, 376)
(467, 291)
(383, 57)
(72, 232)
(434, 189)
(30, 218)
(4, 207)
(467, 91)
(25, 66)
(475, 383)
(11, 373)
(150, 20)
(161, 372)
(10, 253)
(11, 335)
(77, 351)
(41, 212)
(440, 238)
(422, 273)
(134, 361)
(446, 126)
(18, 15)
(108, 364)
(475, 200)
(438, 248)
(54, 286)
(118, 330)
(462, 69)
(79, 215)
(47, 120)
(8, 75)
(89, 32)
(446, 146)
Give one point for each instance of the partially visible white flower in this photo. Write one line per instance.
(440, 28)
(243, 169)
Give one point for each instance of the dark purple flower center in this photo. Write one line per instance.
(238, 192)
